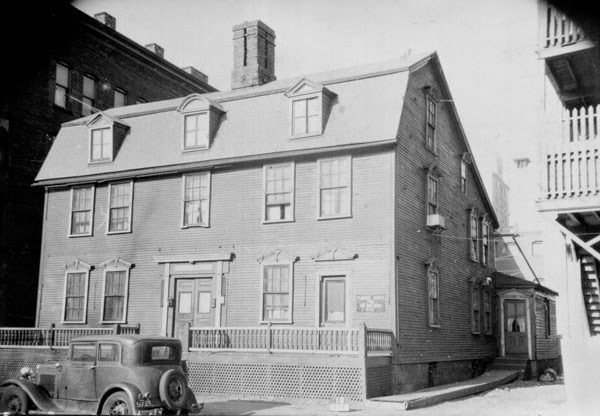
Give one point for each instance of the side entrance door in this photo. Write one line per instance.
(515, 327)
(194, 305)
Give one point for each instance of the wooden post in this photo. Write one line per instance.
(51, 335)
(362, 345)
(116, 329)
(269, 335)
(186, 339)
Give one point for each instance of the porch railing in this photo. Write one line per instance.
(582, 124)
(270, 338)
(572, 170)
(56, 337)
(559, 29)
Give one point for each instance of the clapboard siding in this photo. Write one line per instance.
(414, 244)
(547, 345)
(235, 226)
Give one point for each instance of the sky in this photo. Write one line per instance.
(487, 49)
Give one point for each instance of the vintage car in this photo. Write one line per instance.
(113, 375)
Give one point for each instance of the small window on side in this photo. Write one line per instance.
(108, 352)
(83, 352)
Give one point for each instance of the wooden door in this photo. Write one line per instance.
(194, 305)
(515, 327)
(333, 301)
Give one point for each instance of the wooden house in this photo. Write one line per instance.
(323, 235)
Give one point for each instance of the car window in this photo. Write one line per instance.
(108, 352)
(83, 352)
(162, 352)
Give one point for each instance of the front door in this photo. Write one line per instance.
(515, 327)
(194, 305)
(333, 301)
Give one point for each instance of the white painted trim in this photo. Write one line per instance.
(318, 307)
(350, 188)
(183, 178)
(199, 147)
(194, 258)
(111, 139)
(264, 198)
(125, 300)
(290, 265)
(108, 232)
(70, 231)
(86, 297)
(305, 97)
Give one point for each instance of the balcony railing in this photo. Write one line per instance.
(573, 169)
(291, 339)
(56, 337)
(559, 29)
(581, 124)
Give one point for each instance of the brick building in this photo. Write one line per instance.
(60, 66)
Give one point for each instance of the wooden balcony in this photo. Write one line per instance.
(273, 339)
(559, 34)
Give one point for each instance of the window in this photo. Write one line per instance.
(335, 198)
(473, 235)
(196, 199)
(475, 309)
(431, 108)
(83, 352)
(204, 302)
(120, 98)
(333, 300)
(463, 176)
(306, 116)
(115, 296)
(89, 95)
(432, 195)
(196, 131)
(101, 145)
(75, 297)
(485, 241)
(120, 198)
(487, 312)
(279, 192)
(276, 300)
(162, 352)
(61, 89)
(82, 211)
(108, 352)
(433, 292)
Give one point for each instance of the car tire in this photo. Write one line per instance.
(14, 401)
(173, 389)
(118, 404)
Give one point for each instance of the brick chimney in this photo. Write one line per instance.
(106, 19)
(196, 74)
(253, 55)
(157, 49)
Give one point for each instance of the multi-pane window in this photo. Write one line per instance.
(433, 295)
(463, 176)
(115, 291)
(75, 297)
(119, 216)
(120, 98)
(101, 145)
(432, 195)
(431, 108)
(196, 131)
(276, 293)
(334, 187)
(82, 205)
(485, 241)
(306, 116)
(89, 95)
(196, 199)
(279, 192)
(475, 309)
(487, 311)
(333, 300)
(61, 89)
(474, 236)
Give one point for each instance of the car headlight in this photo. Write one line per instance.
(26, 372)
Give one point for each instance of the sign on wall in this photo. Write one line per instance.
(374, 303)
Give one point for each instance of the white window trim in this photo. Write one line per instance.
(433, 266)
(111, 137)
(318, 307)
(290, 265)
(70, 234)
(126, 296)
(64, 310)
(184, 176)
(350, 189)
(306, 96)
(264, 199)
(108, 207)
(195, 148)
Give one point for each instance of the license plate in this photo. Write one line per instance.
(143, 403)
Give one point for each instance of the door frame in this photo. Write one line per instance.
(173, 292)
(515, 295)
(318, 307)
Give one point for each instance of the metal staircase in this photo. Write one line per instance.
(591, 292)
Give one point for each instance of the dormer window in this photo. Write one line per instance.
(101, 145)
(106, 134)
(310, 104)
(200, 122)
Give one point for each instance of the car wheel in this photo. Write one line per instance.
(117, 404)
(173, 389)
(14, 400)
